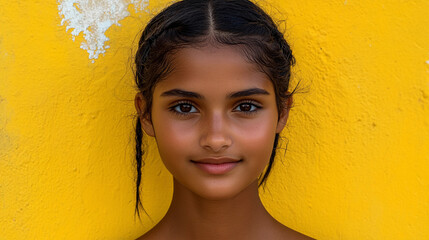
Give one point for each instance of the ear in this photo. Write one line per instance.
(144, 119)
(284, 114)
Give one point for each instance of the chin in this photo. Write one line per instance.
(218, 190)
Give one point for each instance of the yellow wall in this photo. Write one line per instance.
(357, 165)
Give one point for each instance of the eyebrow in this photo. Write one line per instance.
(181, 93)
(248, 92)
(245, 93)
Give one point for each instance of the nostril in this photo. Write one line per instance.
(215, 136)
(215, 144)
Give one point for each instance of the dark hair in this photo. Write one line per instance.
(190, 23)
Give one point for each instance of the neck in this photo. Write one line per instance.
(194, 217)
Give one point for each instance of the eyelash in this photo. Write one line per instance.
(180, 103)
(250, 102)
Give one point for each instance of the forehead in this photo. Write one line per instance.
(209, 68)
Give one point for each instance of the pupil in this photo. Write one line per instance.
(185, 108)
(245, 107)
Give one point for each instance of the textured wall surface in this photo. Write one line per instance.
(357, 164)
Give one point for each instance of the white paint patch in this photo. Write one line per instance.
(93, 18)
(427, 61)
(140, 4)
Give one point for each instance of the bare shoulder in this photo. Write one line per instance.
(152, 234)
(284, 232)
(294, 235)
(145, 236)
(278, 231)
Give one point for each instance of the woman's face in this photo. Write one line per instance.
(214, 119)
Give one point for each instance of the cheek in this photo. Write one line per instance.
(256, 139)
(173, 137)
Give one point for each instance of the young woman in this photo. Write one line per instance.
(213, 79)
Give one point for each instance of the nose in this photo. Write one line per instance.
(215, 134)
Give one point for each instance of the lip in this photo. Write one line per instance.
(216, 166)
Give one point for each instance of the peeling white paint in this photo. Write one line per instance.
(427, 61)
(93, 18)
(139, 4)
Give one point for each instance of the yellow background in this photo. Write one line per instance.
(357, 164)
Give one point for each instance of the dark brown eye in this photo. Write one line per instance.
(245, 107)
(185, 108)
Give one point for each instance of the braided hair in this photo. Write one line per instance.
(191, 23)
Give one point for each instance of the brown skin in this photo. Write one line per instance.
(240, 128)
